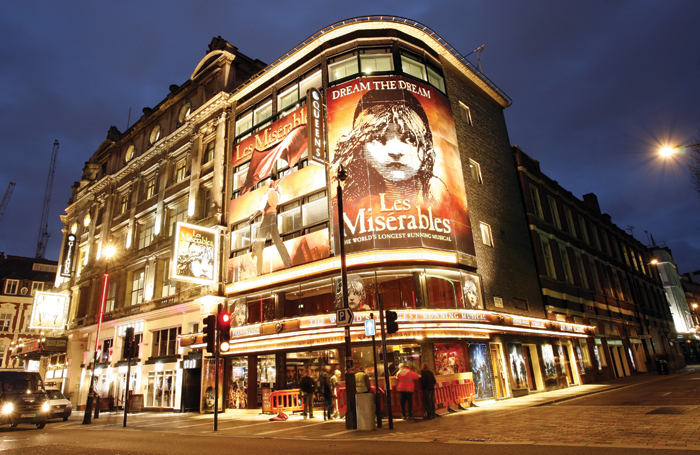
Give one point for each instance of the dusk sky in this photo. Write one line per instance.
(596, 86)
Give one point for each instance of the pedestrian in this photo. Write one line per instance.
(307, 389)
(406, 387)
(327, 391)
(362, 384)
(427, 385)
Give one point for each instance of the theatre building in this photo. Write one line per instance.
(247, 157)
(592, 272)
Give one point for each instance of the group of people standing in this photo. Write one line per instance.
(328, 388)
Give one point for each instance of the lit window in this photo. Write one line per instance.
(290, 218)
(287, 97)
(130, 152)
(86, 220)
(177, 213)
(240, 175)
(150, 187)
(313, 80)
(342, 67)
(111, 296)
(180, 170)
(413, 67)
(165, 342)
(315, 210)
(244, 123)
(376, 61)
(554, 211)
(123, 204)
(566, 265)
(208, 154)
(536, 204)
(262, 113)
(137, 284)
(466, 113)
(475, 171)
(146, 231)
(548, 258)
(241, 236)
(169, 286)
(185, 111)
(486, 236)
(37, 286)
(436, 80)
(5, 321)
(155, 134)
(11, 286)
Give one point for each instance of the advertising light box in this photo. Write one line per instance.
(49, 311)
(195, 254)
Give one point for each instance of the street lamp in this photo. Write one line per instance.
(672, 150)
(108, 252)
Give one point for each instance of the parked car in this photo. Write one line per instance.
(60, 405)
(23, 399)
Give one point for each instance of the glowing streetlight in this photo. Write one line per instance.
(671, 150)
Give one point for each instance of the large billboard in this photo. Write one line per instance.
(49, 311)
(195, 254)
(396, 140)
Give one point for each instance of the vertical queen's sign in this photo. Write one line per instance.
(67, 263)
(314, 127)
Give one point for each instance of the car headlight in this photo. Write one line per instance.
(46, 406)
(8, 408)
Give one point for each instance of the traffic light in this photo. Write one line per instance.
(210, 332)
(224, 330)
(391, 325)
(129, 347)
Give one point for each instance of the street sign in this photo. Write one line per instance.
(370, 328)
(343, 317)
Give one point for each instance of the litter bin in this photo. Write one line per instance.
(366, 419)
(662, 367)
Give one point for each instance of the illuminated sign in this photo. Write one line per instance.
(417, 316)
(68, 249)
(315, 130)
(49, 311)
(572, 328)
(195, 254)
(405, 189)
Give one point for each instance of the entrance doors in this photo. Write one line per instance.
(498, 366)
(533, 366)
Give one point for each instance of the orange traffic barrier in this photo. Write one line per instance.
(443, 397)
(287, 400)
(341, 401)
(463, 393)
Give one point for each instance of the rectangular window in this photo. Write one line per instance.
(150, 187)
(312, 80)
(243, 124)
(5, 322)
(106, 346)
(584, 231)
(206, 202)
(584, 352)
(486, 236)
(413, 67)
(342, 67)
(180, 170)
(123, 204)
(566, 265)
(466, 113)
(169, 286)
(37, 286)
(520, 304)
(165, 342)
(596, 277)
(475, 171)
(316, 209)
(536, 204)
(376, 61)
(569, 221)
(137, 284)
(146, 231)
(596, 240)
(581, 270)
(111, 296)
(606, 242)
(262, 113)
(241, 236)
(288, 97)
(239, 175)
(11, 286)
(208, 154)
(548, 258)
(554, 211)
(435, 79)
(290, 218)
(175, 214)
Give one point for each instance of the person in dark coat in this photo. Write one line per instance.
(307, 387)
(427, 385)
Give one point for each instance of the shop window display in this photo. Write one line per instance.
(518, 366)
(449, 359)
(481, 373)
(397, 289)
(238, 388)
(550, 366)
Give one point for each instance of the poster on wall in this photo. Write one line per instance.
(49, 311)
(518, 367)
(208, 385)
(481, 371)
(471, 292)
(396, 140)
(195, 253)
(265, 187)
(449, 359)
(358, 297)
(550, 366)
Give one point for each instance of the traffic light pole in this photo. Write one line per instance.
(126, 393)
(387, 382)
(216, 371)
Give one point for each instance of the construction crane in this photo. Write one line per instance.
(6, 199)
(44, 226)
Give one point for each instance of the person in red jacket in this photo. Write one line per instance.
(406, 387)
